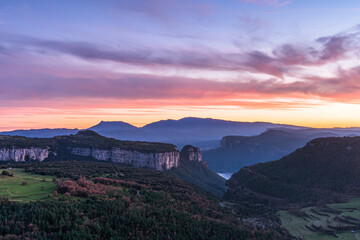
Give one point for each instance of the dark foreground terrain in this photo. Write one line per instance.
(316, 188)
(100, 200)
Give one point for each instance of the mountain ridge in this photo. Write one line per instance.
(202, 132)
(324, 170)
(236, 152)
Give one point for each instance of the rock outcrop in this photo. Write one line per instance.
(191, 153)
(161, 156)
(22, 154)
(159, 161)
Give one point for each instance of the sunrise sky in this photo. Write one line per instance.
(74, 63)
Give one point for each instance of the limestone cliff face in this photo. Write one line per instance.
(191, 153)
(160, 156)
(20, 154)
(159, 161)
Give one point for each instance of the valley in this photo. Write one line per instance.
(297, 195)
(179, 120)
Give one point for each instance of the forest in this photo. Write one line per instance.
(102, 200)
(86, 139)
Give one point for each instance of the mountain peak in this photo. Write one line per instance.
(112, 125)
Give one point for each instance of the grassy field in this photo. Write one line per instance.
(336, 221)
(37, 186)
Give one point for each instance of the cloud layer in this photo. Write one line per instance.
(174, 54)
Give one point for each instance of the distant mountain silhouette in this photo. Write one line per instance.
(41, 133)
(112, 126)
(205, 133)
(202, 132)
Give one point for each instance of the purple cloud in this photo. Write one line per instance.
(280, 61)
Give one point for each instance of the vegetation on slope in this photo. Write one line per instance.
(137, 204)
(83, 139)
(239, 151)
(200, 174)
(325, 170)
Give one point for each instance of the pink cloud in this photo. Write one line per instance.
(136, 87)
(42, 82)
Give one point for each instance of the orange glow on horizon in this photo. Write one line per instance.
(319, 116)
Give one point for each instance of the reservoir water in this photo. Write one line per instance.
(225, 175)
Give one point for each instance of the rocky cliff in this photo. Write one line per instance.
(160, 156)
(22, 154)
(191, 153)
(159, 161)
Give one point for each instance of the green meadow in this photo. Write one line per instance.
(24, 186)
(335, 221)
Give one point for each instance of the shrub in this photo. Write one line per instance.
(7, 173)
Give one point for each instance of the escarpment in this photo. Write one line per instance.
(160, 156)
(22, 154)
(157, 160)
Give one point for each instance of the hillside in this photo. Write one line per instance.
(325, 170)
(100, 200)
(192, 169)
(239, 151)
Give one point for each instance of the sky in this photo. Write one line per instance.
(72, 63)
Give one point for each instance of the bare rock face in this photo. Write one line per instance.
(160, 156)
(191, 153)
(159, 161)
(21, 154)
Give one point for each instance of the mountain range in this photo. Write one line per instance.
(236, 152)
(227, 145)
(205, 133)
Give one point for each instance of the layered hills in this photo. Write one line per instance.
(202, 132)
(325, 170)
(236, 152)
